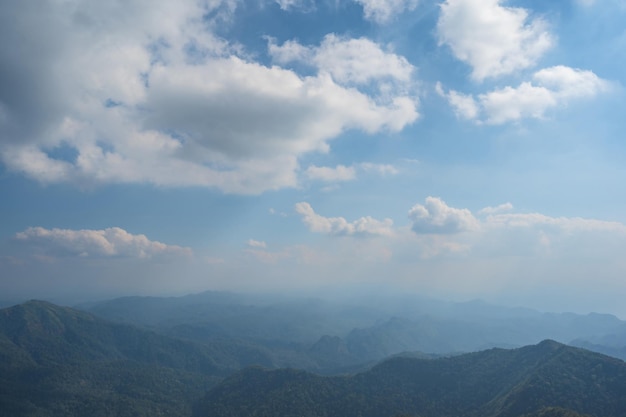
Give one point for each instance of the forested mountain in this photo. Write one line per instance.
(548, 379)
(56, 361)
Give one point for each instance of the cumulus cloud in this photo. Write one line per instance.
(383, 11)
(493, 39)
(498, 234)
(110, 242)
(339, 226)
(550, 88)
(144, 92)
(355, 61)
(501, 232)
(436, 217)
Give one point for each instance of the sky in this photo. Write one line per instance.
(458, 149)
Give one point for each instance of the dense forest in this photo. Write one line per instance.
(491, 383)
(57, 361)
(220, 354)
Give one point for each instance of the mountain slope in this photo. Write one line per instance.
(56, 361)
(492, 383)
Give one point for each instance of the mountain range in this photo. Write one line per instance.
(221, 354)
(323, 334)
(57, 361)
(539, 380)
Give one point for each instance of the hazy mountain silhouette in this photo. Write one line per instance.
(365, 328)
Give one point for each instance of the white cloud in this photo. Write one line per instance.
(145, 93)
(499, 236)
(436, 217)
(564, 224)
(515, 103)
(566, 82)
(464, 105)
(382, 11)
(550, 88)
(356, 61)
(110, 242)
(296, 4)
(348, 173)
(339, 173)
(339, 226)
(289, 51)
(256, 243)
(493, 39)
(497, 209)
(381, 169)
(500, 233)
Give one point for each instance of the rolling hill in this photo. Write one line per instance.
(492, 383)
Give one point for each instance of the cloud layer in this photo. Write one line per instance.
(144, 92)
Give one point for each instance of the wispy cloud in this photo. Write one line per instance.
(256, 243)
(339, 173)
(383, 11)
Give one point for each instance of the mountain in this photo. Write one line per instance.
(324, 335)
(548, 379)
(259, 318)
(57, 361)
(613, 344)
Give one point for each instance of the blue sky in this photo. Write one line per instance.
(459, 149)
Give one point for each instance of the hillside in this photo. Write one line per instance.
(56, 361)
(491, 383)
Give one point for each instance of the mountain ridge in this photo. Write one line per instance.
(57, 361)
(491, 383)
